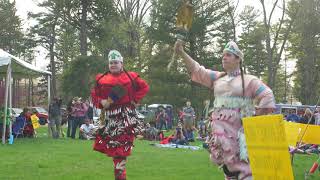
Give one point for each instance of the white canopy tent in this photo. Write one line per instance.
(12, 66)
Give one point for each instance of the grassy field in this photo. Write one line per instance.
(44, 158)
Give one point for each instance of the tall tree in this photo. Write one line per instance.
(273, 40)
(305, 47)
(79, 78)
(45, 33)
(86, 16)
(251, 42)
(11, 36)
(67, 46)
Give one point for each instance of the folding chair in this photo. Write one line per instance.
(18, 126)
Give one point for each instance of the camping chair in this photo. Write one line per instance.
(18, 126)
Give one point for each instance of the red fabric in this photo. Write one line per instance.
(109, 80)
(119, 174)
(124, 150)
(99, 144)
(167, 140)
(28, 130)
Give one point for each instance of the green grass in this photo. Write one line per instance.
(44, 158)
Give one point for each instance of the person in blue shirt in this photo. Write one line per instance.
(293, 117)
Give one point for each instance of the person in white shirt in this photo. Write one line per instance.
(87, 130)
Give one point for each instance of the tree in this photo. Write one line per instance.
(305, 47)
(45, 33)
(251, 42)
(67, 46)
(79, 78)
(86, 16)
(11, 36)
(273, 40)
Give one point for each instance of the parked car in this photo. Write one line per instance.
(148, 115)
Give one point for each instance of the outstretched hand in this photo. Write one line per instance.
(105, 103)
(178, 46)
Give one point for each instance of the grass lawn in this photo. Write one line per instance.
(44, 158)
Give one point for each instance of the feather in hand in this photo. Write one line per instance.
(117, 92)
(183, 24)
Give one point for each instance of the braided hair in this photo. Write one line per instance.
(242, 77)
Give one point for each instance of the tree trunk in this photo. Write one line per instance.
(83, 28)
(52, 60)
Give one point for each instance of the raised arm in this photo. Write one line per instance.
(198, 73)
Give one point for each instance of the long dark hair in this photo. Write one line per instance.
(242, 77)
(134, 84)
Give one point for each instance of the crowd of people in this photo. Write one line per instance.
(184, 125)
(78, 116)
(308, 117)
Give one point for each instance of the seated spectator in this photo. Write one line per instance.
(87, 130)
(178, 137)
(151, 133)
(28, 130)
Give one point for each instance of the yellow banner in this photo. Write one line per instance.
(267, 147)
(294, 131)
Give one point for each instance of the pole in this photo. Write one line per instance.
(6, 103)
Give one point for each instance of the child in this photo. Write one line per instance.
(35, 122)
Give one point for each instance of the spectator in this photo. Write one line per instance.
(292, 116)
(162, 118)
(87, 130)
(202, 129)
(178, 137)
(2, 110)
(188, 121)
(55, 117)
(28, 130)
(307, 117)
(35, 122)
(70, 117)
(90, 111)
(151, 132)
(79, 110)
(170, 117)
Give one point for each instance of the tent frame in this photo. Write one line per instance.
(8, 89)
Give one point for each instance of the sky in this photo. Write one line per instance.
(26, 6)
